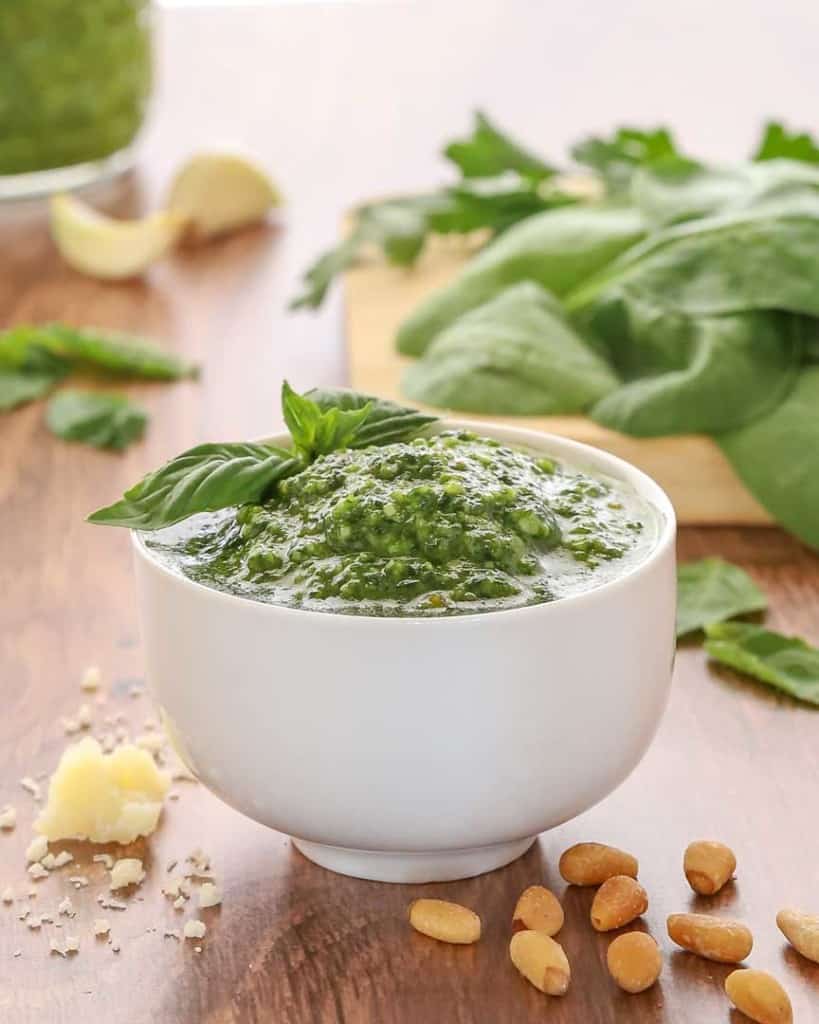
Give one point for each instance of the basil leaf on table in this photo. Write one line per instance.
(700, 375)
(112, 351)
(20, 386)
(615, 159)
(777, 458)
(489, 152)
(516, 354)
(786, 663)
(778, 142)
(316, 431)
(557, 249)
(99, 419)
(203, 479)
(712, 590)
(386, 422)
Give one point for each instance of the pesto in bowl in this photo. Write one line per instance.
(442, 525)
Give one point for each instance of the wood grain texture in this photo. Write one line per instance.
(293, 944)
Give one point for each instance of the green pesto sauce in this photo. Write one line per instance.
(75, 77)
(443, 525)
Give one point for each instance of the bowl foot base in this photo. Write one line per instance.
(437, 866)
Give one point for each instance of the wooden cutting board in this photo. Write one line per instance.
(692, 469)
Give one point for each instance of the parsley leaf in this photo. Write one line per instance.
(615, 159)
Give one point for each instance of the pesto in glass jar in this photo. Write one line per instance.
(75, 77)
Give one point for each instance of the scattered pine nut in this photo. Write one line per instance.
(445, 921)
(541, 961)
(759, 996)
(714, 938)
(593, 863)
(708, 866)
(618, 901)
(538, 910)
(634, 961)
(802, 931)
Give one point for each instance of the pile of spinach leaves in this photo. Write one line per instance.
(675, 298)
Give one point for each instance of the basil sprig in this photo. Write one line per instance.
(210, 477)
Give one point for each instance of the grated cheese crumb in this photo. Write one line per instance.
(125, 872)
(37, 871)
(70, 726)
(30, 786)
(103, 858)
(55, 947)
(8, 895)
(78, 881)
(84, 716)
(115, 948)
(8, 817)
(179, 903)
(91, 679)
(72, 943)
(210, 895)
(49, 861)
(37, 849)
(63, 858)
(66, 907)
(194, 929)
(17, 952)
(34, 923)
(101, 926)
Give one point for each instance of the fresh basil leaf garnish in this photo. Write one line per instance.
(786, 663)
(316, 431)
(778, 143)
(386, 422)
(203, 479)
(20, 386)
(96, 418)
(712, 590)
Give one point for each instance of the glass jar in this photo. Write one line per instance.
(75, 77)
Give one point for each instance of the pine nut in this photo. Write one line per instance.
(802, 931)
(445, 921)
(708, 866)
(634, 961)
(541, 961)
(759, 996)
(617, 902)
(714, 938)
(538, 910)
(593, 863)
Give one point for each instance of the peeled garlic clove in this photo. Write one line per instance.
(101, 246)
(219, 192)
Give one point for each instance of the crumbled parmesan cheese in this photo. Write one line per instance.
(210, 895)
(84, 717)
(8, 895)
(78, 881)
(150, 741)
(34, 923)
(194, 929)
(176, 886)
(103, 858)
(49, 861)
(30, 786)
(70, 726)
(8, 817)
(179, 903)
(37, 871)
(66, 907)
(115, 948)
(128, 871)
(113, 798)
(55, 947)
(36, 849)
(72, 943)
(101, 926)
(63, 858)
(91, 679)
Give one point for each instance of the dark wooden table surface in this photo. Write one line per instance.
(342, 102)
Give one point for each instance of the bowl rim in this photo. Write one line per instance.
(612, 465)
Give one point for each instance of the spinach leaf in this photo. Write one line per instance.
(386, 422)
(681, 190)
(489, 152)
(722, 264)
(786, 663)
(94, 348)
(516, 354)
(203, 479)
(557, 249)
(712, 590)
(777, 142)
(777, 458)
(316, 431)
(615, 159)
(96, 418)
(699, 375)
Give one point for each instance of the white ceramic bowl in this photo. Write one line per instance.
(412, 749)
